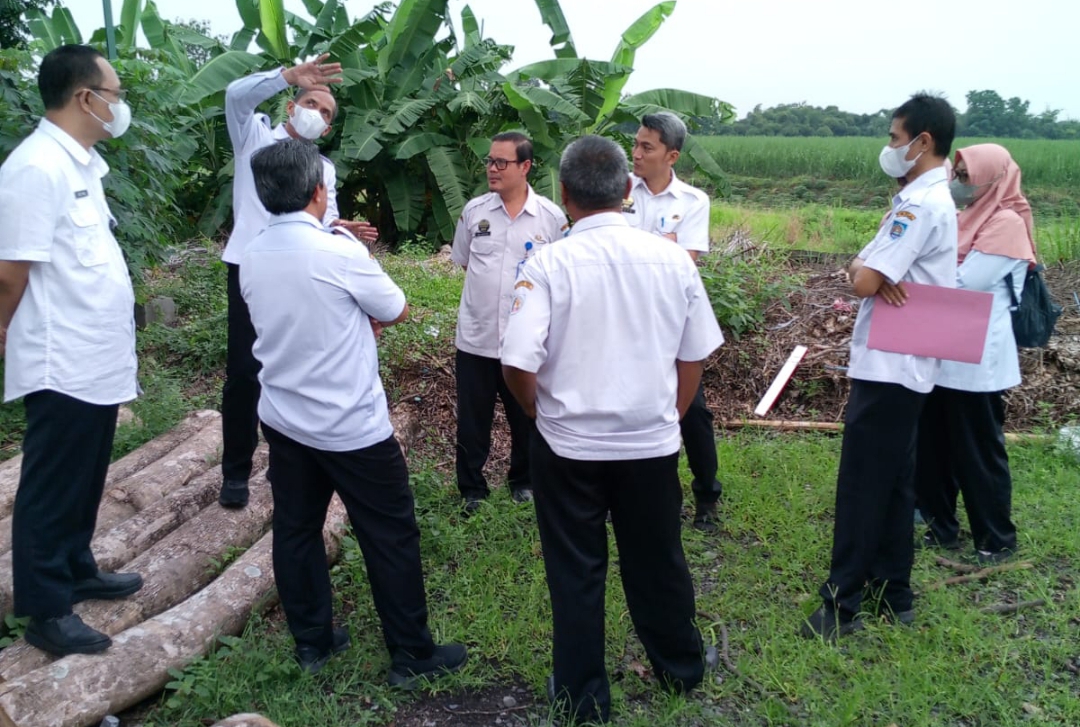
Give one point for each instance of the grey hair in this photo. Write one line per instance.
(287, 175)
(594, 172)
(671, 128)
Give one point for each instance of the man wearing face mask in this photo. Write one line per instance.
(875, 490)
(68, 306)
(310, 114)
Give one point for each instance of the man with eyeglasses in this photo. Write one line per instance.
(67, 303)
(498, 233)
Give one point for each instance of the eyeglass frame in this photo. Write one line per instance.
(500, 164)
(120, 93)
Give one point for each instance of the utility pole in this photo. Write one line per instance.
(110, 29)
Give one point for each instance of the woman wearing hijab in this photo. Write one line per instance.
(961, 445)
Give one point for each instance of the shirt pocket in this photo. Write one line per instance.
(87, 231)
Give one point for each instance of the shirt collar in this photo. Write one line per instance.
(673, 188)
(601, 219)
(301, 217)
(86, 157)
(532, 204)
(922, 182)
(280, 133)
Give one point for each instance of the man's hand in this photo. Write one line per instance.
(853, 269)
(671, 236)
(376, 327)
(313, 75)
(362, 229)
(893, 294)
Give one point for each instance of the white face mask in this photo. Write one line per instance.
(893, 161)
(308, 123)
(121, 114)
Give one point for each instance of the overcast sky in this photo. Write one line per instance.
(860, 55)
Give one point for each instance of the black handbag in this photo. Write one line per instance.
(1034, 315)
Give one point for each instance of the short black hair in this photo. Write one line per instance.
(522, 144)
(932, 114)
(305, 91)
(65, 70)
(594, 173)
(286, 175)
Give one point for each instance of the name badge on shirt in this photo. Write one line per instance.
(82, 193)
(483, 229)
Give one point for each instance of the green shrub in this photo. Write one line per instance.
(742, 287)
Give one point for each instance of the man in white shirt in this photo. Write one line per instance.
(873, 533)
(68, 307)
(324, 415)
(497, 233)
(310, 114)
(662, 204)
(604, 347)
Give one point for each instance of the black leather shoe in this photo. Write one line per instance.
(234, 494)
(407, 672)
(522, 495)
(106, 587)
(829, 625)
(705, 517)
(65, 635)
(311, 660)
(472, 504)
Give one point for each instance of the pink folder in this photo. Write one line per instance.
(938, 322)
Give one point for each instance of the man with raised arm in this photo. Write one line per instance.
(310, 114)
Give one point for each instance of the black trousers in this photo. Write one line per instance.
(962, 449)
(373, 484)
(240, 394)
(479, 381)
(66, 454)
(873, 532)
(644, 497)
(700, 442)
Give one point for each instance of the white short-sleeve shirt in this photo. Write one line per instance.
(916, 244)
(250, 132)
(679, 209)
(311, 294)
(494, 248)
(601, 318)
(74, 329)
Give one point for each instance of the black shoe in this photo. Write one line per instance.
(311, 660)
(825, 623)
(106, 587)
(65, 635)
(929, 541)
(706, 518)
(407, 672)
(522, 495)
(234, 494)
(993, 557)
(472, 504)
(901, 618)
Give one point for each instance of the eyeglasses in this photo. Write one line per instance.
(499, 164)
(120, 93)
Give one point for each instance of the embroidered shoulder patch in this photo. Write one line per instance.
(898, 229)
(524, 284)
(906, 215)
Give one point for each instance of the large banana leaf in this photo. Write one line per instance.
(420, 143)
(469, 27)
(682, 102)
(705, 161)
(411, 32)
(535, 121)
(545, 176)
(548, 103)
(444, 221)
(552, 15)
(272, 24)
(449, 170)
(324, 25)
(405, 113)
(632, 39)
(406, 198)
(129, 21)
(470, 100)
(218, 73)
(55, 31)
(360, 140)
(158, 35)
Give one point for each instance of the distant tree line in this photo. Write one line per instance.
(988, 114)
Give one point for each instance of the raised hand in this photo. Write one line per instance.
(362, 229)
(313, 75)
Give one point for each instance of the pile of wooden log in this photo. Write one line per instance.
(159, 517)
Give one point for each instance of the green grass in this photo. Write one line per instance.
(486, 587)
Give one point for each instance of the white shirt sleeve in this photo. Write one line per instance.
(28, 207)
(983, 272)
(900, 243)
(330, 180)
(701, 334)
(243, 96)
(460, 250)
(373, 290)
(693, 232)
(525, 344)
